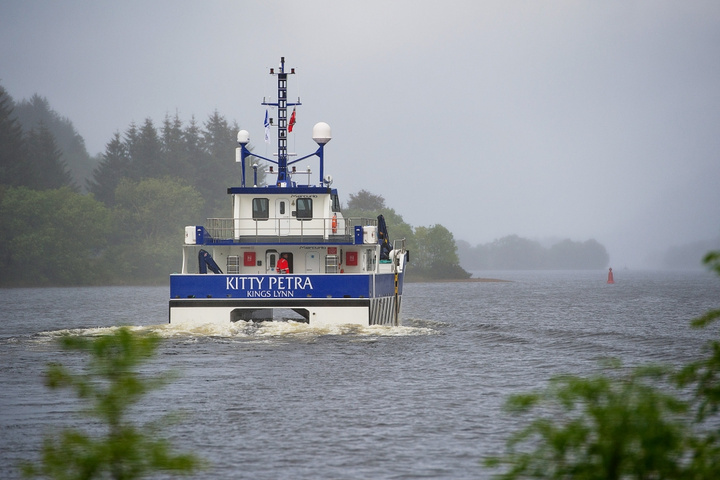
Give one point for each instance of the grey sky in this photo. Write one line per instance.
(543, 119)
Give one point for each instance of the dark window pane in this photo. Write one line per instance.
(304, 208)
(260, 209)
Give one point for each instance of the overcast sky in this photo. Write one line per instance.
(545, 119)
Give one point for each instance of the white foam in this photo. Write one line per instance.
(251, 330)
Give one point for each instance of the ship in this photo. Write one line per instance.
(288, 253)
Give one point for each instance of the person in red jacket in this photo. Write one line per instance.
(282, 264)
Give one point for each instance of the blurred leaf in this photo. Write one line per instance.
(651, 422)
(110, 386)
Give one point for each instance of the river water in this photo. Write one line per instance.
(281, 400)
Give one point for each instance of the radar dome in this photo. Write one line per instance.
(243, 137)
(321, 133)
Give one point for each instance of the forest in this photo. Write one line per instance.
(70, 219)
(118, 218)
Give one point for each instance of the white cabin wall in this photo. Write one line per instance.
(319, 225)
(367, 257)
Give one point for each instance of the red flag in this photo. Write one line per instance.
(292, 121)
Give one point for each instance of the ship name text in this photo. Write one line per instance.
(279, 282)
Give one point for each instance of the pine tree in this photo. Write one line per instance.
(217, 136)
(114, 167)
(219, 141)
(131, 144)
(199, 163)
(13, 149)
(46, 160)
(195, 154)
(31, 113)
(173, 147)
(146, 154)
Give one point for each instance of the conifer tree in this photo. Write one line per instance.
(220, 141)
(46, 160)
(217, 136)
(114, 166)
(146, 153)
(131, 141)
(173, 147)
(196, 155)
(13, 149)
(31, 113)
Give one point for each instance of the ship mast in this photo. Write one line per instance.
(282, 105)
(321, 134)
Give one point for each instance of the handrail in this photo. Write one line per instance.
(275, 227)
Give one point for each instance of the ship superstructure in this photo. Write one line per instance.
(288, 247)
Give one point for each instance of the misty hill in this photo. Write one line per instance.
(515, 253)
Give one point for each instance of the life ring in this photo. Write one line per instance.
(334, 223)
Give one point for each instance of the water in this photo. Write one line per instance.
(283, 400)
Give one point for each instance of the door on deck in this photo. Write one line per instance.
(312, 262)
(271, 258)
(282, 213)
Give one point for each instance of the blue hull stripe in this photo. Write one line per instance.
(283, 286)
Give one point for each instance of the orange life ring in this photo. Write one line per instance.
(334, 223)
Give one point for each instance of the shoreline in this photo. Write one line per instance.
(460, 280)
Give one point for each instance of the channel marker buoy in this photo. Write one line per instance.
(610, 277)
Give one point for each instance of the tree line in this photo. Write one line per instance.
(124, 224)
(516, 253)
(194, 154)
(146, 186)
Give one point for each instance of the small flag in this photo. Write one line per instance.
(267, 127)
(292, 121)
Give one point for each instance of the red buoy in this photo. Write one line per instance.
(610, 277)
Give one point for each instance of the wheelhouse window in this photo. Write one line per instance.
(304, 209)
(335, 203)
(260, 209)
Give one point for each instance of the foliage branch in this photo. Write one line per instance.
(110, 387)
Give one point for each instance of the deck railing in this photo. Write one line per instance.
(284, 229)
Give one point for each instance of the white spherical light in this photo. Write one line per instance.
(321, 133)
(243, 137)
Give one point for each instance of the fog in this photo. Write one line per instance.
(557, 119)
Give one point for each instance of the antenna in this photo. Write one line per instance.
(282, 124)
(321, 134)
